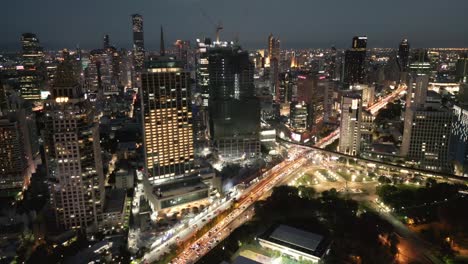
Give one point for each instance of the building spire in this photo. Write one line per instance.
(161, 45)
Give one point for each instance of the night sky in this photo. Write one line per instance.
(298, 23)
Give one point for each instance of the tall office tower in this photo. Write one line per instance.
(106, 42)
(15, 154)
(31, 77)
(426, 138)
(73, 154)
(417, 90)
(355, 59)
(462, 69)
(301, 117)
(273, 47)
(202, 74)
(138, 43)
(288, 82)
(167, 116)
(350, 126)
(403, 55)
(427, 127)
(274, 79)
(274, 59)
(234, 109)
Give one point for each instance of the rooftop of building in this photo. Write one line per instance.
(167, 61)
(384, 148)
(244, 260)
(297, 239)
(115, 200)
(180, 186)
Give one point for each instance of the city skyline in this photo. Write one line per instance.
(322, 25)
(203, 131)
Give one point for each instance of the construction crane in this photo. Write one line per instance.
(218, 29)
(218, 26)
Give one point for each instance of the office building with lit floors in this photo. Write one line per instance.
(350, 126)
(31, 77)
(168, 135)
(426, 138)
(73, 155)
(426, 135)
(234, 108)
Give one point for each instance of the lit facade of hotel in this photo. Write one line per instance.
(167, 116)
(168, 136)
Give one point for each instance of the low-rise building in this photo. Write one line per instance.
(296, 243)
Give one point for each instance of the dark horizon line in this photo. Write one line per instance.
(17, 49)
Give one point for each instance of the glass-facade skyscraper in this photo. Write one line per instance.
(138, 43)
(234, 109)
(403, 55)
(355, 58)
(31, 78)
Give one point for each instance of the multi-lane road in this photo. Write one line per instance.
(271, 178)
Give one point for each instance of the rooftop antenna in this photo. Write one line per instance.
(162, 50)
(219, 27)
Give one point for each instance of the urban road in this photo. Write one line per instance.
(244, 211)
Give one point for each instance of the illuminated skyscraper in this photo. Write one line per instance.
(350, 125)
(301, 117)
(167, 116)
(31, 78)
(138, 43)
(168, 135)
(273, 47)
(73, 154)
(403, 55)
(274, 59)
(355, 58)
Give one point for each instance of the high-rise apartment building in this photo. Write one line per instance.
(350, 125)
(73, 154)
(355, 61)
